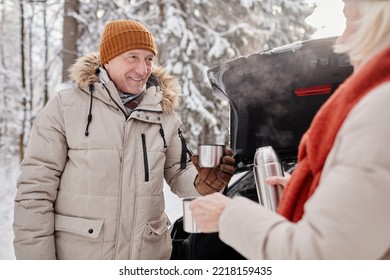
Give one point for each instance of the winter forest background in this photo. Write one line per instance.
(40, 39)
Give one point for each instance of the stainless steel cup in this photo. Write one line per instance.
(210, 155)
(189, 224)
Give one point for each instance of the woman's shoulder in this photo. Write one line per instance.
(364, 134)
(373, 107)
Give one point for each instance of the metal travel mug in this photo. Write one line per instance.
(210, 155)
(189, 224)
(266, 164)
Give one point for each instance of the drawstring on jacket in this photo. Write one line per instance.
(89, 118)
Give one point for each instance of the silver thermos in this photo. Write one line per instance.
(267, 164)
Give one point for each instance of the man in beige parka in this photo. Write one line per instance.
(91, 183)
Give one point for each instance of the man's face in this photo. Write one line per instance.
(130, 71)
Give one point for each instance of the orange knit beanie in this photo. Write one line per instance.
(120, 36)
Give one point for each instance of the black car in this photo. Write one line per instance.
(273, 97)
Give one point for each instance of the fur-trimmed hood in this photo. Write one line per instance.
(84, 72)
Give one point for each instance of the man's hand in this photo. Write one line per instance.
(211, 180)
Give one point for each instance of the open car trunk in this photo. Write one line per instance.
(273, 97)
(275, 94)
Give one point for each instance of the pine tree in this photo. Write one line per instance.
(193, 36)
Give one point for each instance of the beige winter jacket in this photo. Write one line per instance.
(348, 216)
(101, 196)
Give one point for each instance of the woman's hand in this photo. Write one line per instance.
(277, 180)
(206, 211)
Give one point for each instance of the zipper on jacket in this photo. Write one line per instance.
(113, 100)
(146, 164)
(184, 151)
(163, 135)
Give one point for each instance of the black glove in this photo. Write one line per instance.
(211, 180)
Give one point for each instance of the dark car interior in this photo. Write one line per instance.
(275, 94)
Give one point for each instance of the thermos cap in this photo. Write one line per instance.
(265, 155)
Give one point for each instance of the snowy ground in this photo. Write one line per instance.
(8, 175)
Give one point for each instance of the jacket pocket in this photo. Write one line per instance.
(78, 238)
(156, 241)
(85, 227)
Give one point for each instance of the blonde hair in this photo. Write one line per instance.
(372, 28)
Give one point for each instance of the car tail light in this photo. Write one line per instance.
(324, 89)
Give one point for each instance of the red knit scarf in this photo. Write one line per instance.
(318, 139)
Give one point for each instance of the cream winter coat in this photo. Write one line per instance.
(101, 196)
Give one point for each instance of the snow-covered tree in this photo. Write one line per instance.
(192, 36)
